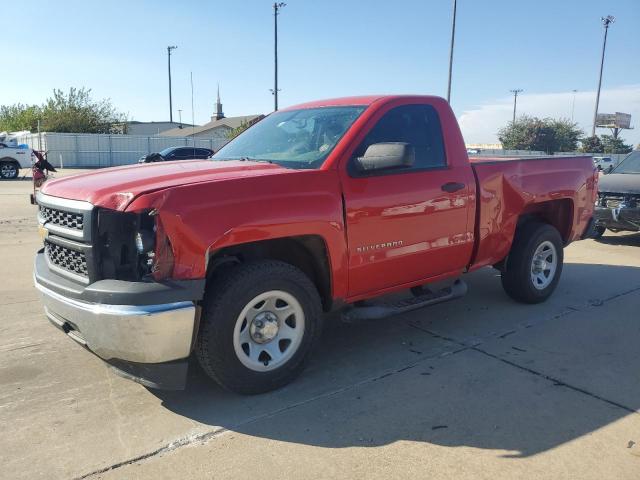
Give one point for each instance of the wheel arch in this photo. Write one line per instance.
(10, 160)
(557, 213)
(309, 253)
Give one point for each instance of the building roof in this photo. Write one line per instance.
(138, 122)
(229, 122)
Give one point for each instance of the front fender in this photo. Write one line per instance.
(201, 219)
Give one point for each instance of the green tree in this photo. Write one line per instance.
(18, 117)
(231, 134)
(591, 145)
(77, 112)
(72, 112)
(548, 134)
(615, 145)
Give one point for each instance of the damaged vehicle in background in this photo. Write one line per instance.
(618, 204)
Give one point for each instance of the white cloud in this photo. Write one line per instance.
(479, 125)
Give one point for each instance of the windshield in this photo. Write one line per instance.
(631, 164)
(293, 138)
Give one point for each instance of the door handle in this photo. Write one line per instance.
(451, 187)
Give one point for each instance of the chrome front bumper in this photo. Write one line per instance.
(144, 330)
(132, 333)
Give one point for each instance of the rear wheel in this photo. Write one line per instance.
(9, 170)
(260, 322)
(534, 265)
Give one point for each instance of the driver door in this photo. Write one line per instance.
(407, 224)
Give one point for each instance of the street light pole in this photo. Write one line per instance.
(515, 101)
(276, 10)
(172, 47)
(573, 104)
(606, 21)
(453, 36)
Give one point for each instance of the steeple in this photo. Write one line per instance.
(218, 114)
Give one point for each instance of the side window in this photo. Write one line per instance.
(417, 125)
(186, 153)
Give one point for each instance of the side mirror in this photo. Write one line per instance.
(388, 155)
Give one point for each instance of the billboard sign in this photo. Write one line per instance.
(613, 120)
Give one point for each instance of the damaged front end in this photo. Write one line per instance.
(106, 281)
(618, 211)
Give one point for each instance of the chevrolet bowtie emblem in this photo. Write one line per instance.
(44, 233)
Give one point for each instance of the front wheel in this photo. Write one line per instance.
(260, 322)
(8, 170)
(534, 265)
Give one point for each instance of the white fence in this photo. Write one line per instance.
(98, 150)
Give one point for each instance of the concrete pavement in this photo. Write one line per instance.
(478, 388)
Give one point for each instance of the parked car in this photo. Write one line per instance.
(618, 204)
(317, 207)
(603, 164)
(12, 159)
(177, 153)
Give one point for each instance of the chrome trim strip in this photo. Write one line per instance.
(78, 206)
(64, 231)
(67, 205)
(120, 310)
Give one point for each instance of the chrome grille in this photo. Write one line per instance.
(62, 218)
(67, 259)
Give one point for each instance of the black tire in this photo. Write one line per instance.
(516, 278)
(224, 300)
(598, 231)
(9, 170)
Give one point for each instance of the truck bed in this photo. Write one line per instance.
(558, 189)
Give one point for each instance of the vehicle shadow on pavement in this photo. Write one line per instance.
(631, 239)
(483, 372)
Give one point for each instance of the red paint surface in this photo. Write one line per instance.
(206, 206)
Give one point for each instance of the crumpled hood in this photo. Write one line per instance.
(116, 187)
(620, 183)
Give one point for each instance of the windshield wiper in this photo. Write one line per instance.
(250, 159)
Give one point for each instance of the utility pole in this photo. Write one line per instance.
(573, 104)
(169, 48)
(515, 101)
(453, 36)
(193, 115)
(606, 21)
(276, 11)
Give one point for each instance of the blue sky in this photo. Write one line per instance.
(328, 48)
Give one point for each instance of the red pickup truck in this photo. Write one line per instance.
(318, 207)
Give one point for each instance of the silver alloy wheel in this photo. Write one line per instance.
(268, 331)
(8, 170)
(543, 265)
